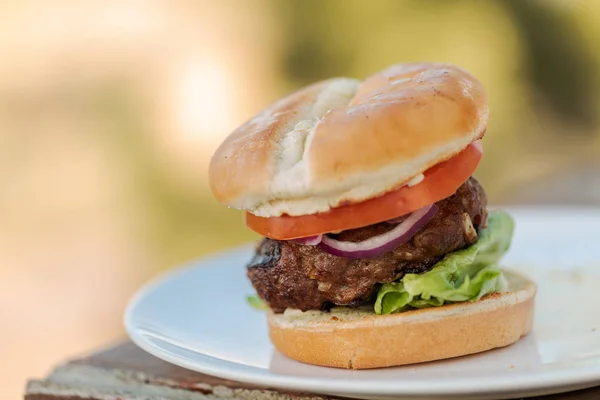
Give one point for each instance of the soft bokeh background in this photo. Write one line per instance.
(109, 111)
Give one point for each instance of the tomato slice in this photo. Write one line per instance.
(441, 181)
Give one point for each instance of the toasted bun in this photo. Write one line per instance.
(343, 140)
(355, 339)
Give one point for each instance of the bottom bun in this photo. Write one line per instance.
(359, 339)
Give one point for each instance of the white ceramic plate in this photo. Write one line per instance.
(197, 317)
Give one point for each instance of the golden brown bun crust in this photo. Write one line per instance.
(342, 140)
(372, 341)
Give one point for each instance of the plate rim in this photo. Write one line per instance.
(550, 379)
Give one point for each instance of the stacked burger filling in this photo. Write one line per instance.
(331, 270)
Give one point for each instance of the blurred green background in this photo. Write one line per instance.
(110, 110)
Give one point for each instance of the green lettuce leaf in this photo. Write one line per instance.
(463, 275)
(256, 303)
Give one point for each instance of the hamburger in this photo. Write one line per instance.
(379, 249)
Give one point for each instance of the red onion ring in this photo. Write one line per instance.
(309, 240)
(396, 220)
(380, 244)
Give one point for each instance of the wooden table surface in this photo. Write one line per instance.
(124, 372)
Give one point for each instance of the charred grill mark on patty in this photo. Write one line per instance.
(267, 254)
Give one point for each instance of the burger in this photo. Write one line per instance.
(379, 249)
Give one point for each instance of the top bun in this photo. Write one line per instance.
(343, 141)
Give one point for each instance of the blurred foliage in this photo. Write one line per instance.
(314, 48)
(557, 60)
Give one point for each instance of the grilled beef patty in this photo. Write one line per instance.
(290, 275)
